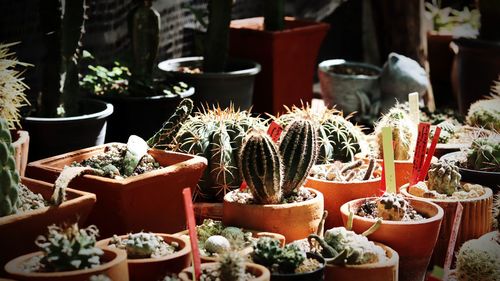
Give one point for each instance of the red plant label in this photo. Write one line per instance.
(428, 159)
(188, 207)
(243, 185)
(420, 149)
(453, 240)
(274, 131)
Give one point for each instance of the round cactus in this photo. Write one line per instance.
(484, 154)
(444, 178)
(9, 178)
(486, 112)
(217, 244)
(479, 260)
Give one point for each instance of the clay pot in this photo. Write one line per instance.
(414, 241)
(21, 144)
(294, 220)
(476, 221)
(316, 275)
(154, 269)
(114, 265)
(338, 193)
(18, 231)
(403, 170)
(380, 271)
(151, 201)
(205, 210)
(260, 272)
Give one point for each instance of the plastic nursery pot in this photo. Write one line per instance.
(337, 193)
(316, 275)
(153, 269)
(294, 220)
(114, 265)
(260, 272)
(413, 240)
(21, 143)
(151, 201)
(18, 231)
(380, 271)
(476, 221)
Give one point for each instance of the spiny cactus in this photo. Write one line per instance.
(496, 213)
(69, 248)
(484, 154)
(268, 252)
(404, 134)
(392, 207)
(486, 112)
(217, 244)
(338, 138)
(143, 245)
(479, 260)
(444, 178)
(231, 267)
(9, 178)
(171, 127)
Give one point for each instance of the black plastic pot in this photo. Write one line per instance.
(53, 136)
(317, 275)
(232, 87)
(141, 116)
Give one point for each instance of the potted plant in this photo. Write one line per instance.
(485, 113)
(69, 253)
(287, 51)
(217, 80)
(151, 255)
(61, 111)
(26, 207)
(409, 226)
(444, 188)
(12, 99)
(342, 182)
(275, 199)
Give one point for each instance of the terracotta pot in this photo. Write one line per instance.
(287, 57)
(203, 210)
(338, 193)
(114, 266)
(316, 275)
(19, 231)
(440, 60)
(403, 170)
(261, 273)
(476, 221)
(154, 269)
(294, 220)
(379, 271)
(21, 144)
(414, 241)
(150, 202)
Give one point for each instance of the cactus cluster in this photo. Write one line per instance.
(444, 177)
(338, 138)
(486, 112)
(273, 172)
(356, 170)
(144, 245)
(478, 259)
(231, 267)
(484, 154)
(269, 253)
(215, 239)
(9, 178)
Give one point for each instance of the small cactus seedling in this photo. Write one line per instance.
(231, 267)
(484, 154)
(444, 178)
(144, 245)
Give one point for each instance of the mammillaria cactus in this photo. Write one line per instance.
(444, 178)
(268, 252)
(231, 267)
(9, 178)
(484, 154)
(479, 260)
(143, 245)
(486, 112)
(391, 207)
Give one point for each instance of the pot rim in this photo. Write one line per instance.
(488, 193)
(319, 196)
(186, 249)
(22, 136)
(168, 66)
(265, 274)
(393, 260)
(12, 267)
(437, 217)
(452, 157)
(111, 98)
(326, 64)
(102, 114)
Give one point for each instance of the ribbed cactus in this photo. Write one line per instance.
(486, 112)
(170, 128)
(339, 139)
(444, 178)
(404, 134)
(231, 267)
(9, 178)
(260, 166)
(484, 154)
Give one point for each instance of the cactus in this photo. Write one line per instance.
(9, 178)
(478, 260)
(217, 244)
(484, 154)
(404, 134)
(338, 138)
(392, 207)
(444, 178)
(171, 127)
(143, 245)
(268, 252)
(217, 37)
(69, 248)
(486, 112)
(232, 267)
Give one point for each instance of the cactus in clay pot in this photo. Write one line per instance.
(478, 260)
(231, 267)
(444, 178)
(9, 178)
(269, 253)
(486, 112)
(484, 154)
(143, 245)
(391, 207)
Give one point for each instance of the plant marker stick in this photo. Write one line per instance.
(389, 170)
(414, 109)
(195, 252)
(274, 131)
(453, 240)
(428, 159)
(420, 149)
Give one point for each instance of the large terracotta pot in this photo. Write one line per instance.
(338, 193)
(21, 144)
(294, 220)
(205, 210)
(150, 202)
(379, 271)
(287, 57)
(414, 241)
(403, 170)
(476, 221)
(260, 272)
(114, 265)
(19, 231)
(154, 269)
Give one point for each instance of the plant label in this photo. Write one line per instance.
(274, 131)
(453, 240)
(414, 108)
(430, 154)
(193, 237)
(420, 149)
(389, 170)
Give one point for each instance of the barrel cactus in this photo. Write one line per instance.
(444, 177)
(9, 178)
(486, 112)
(339, 139)
(484, 154)
(479, 260)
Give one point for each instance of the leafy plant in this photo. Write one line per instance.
(463, 23)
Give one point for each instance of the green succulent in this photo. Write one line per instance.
(478, 260)
(486, 112)
(232, 267)
(269, 253)
(444, 177)
(143, 245)
(484, 154)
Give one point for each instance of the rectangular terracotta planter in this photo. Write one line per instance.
(18, 232)
(150, 202)
(287, 57)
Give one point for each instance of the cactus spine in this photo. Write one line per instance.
(171, 127)
(486, 112)
(484, 154)
(231, 267)
(479, 260)
(444, 178)
(9, 178)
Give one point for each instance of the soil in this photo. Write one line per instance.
(467, 191)
(352, 70)
(213, 274)
(245, 197)
(345, 172)
(29, 201)
(161, 249)
(308, 265)
(398, 210)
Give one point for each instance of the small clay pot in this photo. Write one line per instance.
(153, 269)
(316, 275)
(21, 144)
(114, 265)
(413, 240)
(260, 272)
(294, 220)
